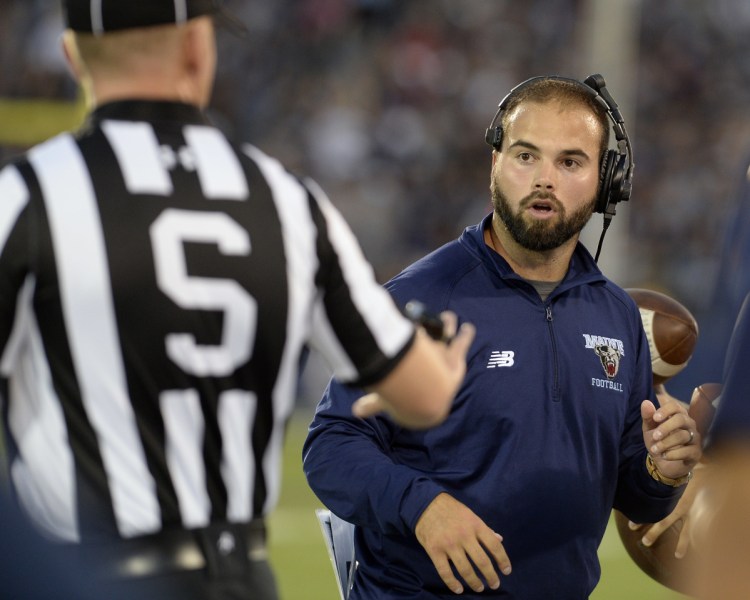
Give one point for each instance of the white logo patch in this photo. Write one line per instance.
(610, 352)
(592, 341)
(501, 359)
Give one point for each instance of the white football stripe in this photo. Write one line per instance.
(647, 316)
(664, 369)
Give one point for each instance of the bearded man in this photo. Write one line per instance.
(511, 495)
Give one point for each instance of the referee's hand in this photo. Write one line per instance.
(420, 391)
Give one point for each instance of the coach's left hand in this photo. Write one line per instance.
(671, 437)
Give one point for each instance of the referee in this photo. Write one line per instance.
(158, 285)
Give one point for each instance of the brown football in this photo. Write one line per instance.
(671, 330)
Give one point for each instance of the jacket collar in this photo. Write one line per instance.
(582, 269)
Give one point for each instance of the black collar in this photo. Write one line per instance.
(148, 110)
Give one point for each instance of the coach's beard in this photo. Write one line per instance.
(540, 236)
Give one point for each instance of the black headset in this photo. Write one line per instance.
(616, 179)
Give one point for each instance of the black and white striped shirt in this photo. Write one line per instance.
(157, 287)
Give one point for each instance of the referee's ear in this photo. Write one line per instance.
(198, 61)
(72, 57)
(77, 67)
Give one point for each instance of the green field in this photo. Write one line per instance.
(305, 572)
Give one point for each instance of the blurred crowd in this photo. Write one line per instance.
(693, 138)
(385, 103)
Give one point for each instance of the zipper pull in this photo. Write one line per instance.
(549, 313)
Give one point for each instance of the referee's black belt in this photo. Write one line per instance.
(219, 548)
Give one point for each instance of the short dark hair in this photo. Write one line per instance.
(565, 91)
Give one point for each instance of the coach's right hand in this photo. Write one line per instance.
(450, 532)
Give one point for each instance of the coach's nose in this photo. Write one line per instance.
(544, 180)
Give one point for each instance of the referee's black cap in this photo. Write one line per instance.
(102, 16)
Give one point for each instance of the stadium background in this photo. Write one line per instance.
(385, 103)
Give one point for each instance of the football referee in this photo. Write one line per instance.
(158, 284)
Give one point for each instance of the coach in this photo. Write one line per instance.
(556, 422)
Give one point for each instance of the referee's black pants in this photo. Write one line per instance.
(257, 583)
(225, 561)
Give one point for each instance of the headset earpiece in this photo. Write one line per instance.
(494, 133)
(605, 181)
(615, 186)
(494, 137)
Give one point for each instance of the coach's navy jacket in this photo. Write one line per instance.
(544, 438)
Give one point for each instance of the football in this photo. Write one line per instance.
(671, 330)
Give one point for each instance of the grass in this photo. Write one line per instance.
(304, 570)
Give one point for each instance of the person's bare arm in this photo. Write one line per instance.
(419, 392)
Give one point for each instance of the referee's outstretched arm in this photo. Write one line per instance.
(419, 392)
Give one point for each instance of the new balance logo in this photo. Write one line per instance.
(501, 359)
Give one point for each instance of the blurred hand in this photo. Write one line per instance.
(682, 512)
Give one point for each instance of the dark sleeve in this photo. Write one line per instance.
(348, 465)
